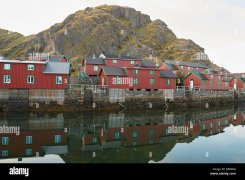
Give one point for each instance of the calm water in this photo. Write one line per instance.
(194, 136)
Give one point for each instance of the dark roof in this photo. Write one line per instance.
(146, 63)
(92, 60)
(199, 75)
(57, 68)
(167, 74)
(56, 58)
(171, 66)
(114, 56)
(116, 71)
(191, 64)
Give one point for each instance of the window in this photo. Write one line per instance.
(28, 152)
(58, 80)
(168, 82)
(219, 77)
(28, 139)
(5, 153)
(152, 81)
(203, 127)
(116, 135)
(181, 67)
(57, 139)
(5, 140)
(135, 81)
(6, 79)
(132, 62)
(114, 61)
(30, 67)
(96, 68)
(211, 125)
(151, 142)
(211, 84)
(94, 140)
(30, 79)
(220, 84)
(151, 132)
(212, 76)
(189, 68)
(6, 66)
(135, 134)
(151, 72)
(219, 123)
(135, 71)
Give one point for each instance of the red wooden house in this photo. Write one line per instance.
(185, 67)
(137, 78)
(206, 80)
(237, 83)
(16, 74)
(43, 80)
(91, 66)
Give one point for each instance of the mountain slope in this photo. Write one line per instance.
(109, 28)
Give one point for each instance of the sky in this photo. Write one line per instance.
(217, 26)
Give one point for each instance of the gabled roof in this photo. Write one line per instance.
(171, 66)
(92, 60)
(198, 74)
(190, 64)
(57, 68)
(114, 71)
(167, 74)
(145, 63)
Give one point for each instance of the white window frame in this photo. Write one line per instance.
(96, 68)
(30, 67)
(58, 79)
(57, 139)
(30, 79)
(7, 79)
(7, 66)
(114, 61)
(132, 62)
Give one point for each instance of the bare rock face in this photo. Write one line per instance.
(113, 29)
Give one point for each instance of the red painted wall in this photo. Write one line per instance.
(19, 75)
(89, 69)
(240, 85)
(121, 62)
(144, 77)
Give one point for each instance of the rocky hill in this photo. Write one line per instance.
(109, 28)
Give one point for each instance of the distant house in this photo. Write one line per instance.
(237, 83)
(91, 66)
(206, 80)
(137, 78)
(120, 60)
(185, 67)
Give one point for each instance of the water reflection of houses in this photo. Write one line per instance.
(39, 135)
(124, 130)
